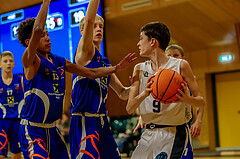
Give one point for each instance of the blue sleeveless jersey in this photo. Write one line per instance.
(11, 98)
(89, 95)
(44, 93)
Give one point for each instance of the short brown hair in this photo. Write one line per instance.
(158, 31)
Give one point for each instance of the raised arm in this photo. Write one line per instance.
(29, 57)
(85, 50)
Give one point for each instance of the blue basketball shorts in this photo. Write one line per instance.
(9, 134)
(90, 139)
(38, 143)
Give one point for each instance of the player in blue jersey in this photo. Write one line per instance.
(44, 89)
(90, 136)
(11, 102)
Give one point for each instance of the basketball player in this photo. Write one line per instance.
(11, 102)
(90, 136)
(176, 51)
(165, 135)
(44, 87)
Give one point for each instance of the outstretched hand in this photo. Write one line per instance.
(126, 61)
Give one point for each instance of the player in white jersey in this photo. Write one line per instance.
(166, 134)
(176, 51)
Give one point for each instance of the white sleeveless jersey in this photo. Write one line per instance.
(156, 112)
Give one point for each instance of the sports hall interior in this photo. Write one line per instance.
(207, 30)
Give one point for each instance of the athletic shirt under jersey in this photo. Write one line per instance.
(11, 98)
(158, 113)
(44, 93)
(89, 95)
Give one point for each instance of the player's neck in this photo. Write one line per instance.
(7, 77)
(46, 56)
(97, 46)
(43, 54)
(159, 61)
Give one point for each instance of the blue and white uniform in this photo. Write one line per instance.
(166, 133)
(89, 131)
(43, 106)
(11, 102)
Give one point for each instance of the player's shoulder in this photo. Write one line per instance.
(137, 66)
(143, 64)
(184, 64)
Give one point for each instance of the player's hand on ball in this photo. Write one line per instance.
(185, 94)
(148, 84)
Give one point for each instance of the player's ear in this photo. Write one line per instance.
(154, 41)
(27, 41)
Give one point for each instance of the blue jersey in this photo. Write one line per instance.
(89, 95)
(11, 98)
(45, 91)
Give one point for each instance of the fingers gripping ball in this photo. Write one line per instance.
(166, 83)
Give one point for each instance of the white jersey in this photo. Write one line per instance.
(156, 112)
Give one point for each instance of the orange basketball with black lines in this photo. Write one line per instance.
(166, 83)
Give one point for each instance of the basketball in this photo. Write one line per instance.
(166, 83)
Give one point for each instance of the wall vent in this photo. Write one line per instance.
(136, 4)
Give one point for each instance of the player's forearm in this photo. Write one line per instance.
(92, 9)
(90, 73)
(29, 55)
(102, 71)
(197, 101)
(42, 15)
(134, 103)
(87, 72)
(200, 115)
(125, 93)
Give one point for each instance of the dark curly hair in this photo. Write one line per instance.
(24, 30)
(158, 31)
